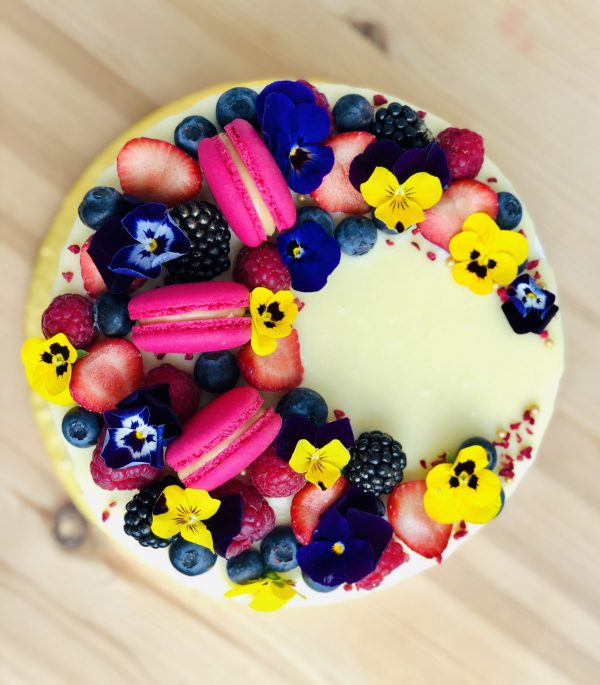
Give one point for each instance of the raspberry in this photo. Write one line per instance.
(72, 315)
(392, 557)
(261, 266)
(183, 391)
(273, 477)
(258, 518)
(464, 151)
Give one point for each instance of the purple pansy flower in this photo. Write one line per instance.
(296, 428)
(226, 523)
(156, 398)
(132, 439)
(529, 308)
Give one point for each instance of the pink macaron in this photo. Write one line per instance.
(191, 317)
(246, 183)
(223, 439)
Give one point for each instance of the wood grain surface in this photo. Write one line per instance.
(520, 603)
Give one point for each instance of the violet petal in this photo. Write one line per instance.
(226, 523)
(335, 430)
(379, 153)
(373, 529)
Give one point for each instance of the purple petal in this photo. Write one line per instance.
(335, 430)
(309, 124)
(296, 92)
(277, 115)
(379, 153)
(320, 563)
(293, 429)
(226, 523)
(373, 529)
(332, 526)
(314, 168)
(147, 213)
(116, 419)
(135, 260)
(359, 560)
(156, 398)
(105, 243)
(355, 498)
(430, 159)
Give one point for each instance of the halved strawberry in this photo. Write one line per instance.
(281, 370)
(459, 201)
(157, 171)
(411, 523)
(111, 370)
(310, 503)
(336, 193)
(92, 280)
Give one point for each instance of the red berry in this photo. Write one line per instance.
(72, 315)
(258, 519)
(309, 504)
(261, 267)
(273, 477)
(183, 391)
(464, 151)
(392, 557)
(279, 371)
(92, 280)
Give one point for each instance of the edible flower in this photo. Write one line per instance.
(132, 439)
(294, 127)
(48, 366)
(309, 254)
(465, 490)
(157, 399)
(182, 511)
(529, 308)
(272, 317)
(268, 594)
(485, 254)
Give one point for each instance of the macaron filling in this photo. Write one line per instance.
(197, 315)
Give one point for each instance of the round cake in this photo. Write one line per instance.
(291, 342)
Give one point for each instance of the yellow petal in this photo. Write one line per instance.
(31, 350)
(480, 286)
(485, 227)
(166, 525)
(514, 244)
(263, 345)
(482, 504)
(197, 533)
(462, 245)
(381, 185)
(251, 588)
(441, 505)
(272, 597)
(201, 504)
(301, 458)
(258, 297)
(334, 453)
(322, 474)
(506, 269)
(423, 188)
(439, 477)
(399, 210)
(169, 522)
(474, 453)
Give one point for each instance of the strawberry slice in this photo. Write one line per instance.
(459, 201)
(310, 503)
(157, 171)
(112, 369)
(92, 280)
(281, 370)
(411, 523)
(336, 193)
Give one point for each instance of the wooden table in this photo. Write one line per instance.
(520, 603)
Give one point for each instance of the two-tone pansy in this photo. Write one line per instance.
(529, 308)
(272, 317)
(485, 255)
(268, 594)
(48, 367)
(132, 439)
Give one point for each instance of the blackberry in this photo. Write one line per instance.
(401, 124)
(376, 463)
(138, 515)
(209, 234)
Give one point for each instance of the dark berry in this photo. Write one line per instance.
(352, 112)
(111, 315)
(138, 515)
(510, 211)
(489, 448)
(100, 204)
(401, 124)
(356, 235)
(303, 402)
(316, 214)
(81, 427)
(237, 103)
(216, 371)
(191, 559)
(190, 131)
(248, 565)
(376, 463)
(317, 587)
(278, 549)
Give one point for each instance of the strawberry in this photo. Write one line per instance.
(336, 193)
(281, 370)
(459, 201)
(92, 280)
(411, 523)
(309, 504)
(157, 171)
(111, 370)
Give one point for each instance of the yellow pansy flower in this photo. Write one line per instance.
(400, 202)
(48, 367)
(179, 510)
(272, 317)
(485, 254)
(268, 594)
(463, 491)
(321, 466)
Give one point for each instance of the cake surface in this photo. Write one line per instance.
(391, 341)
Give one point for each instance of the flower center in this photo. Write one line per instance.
(294, 249)
(338, 548)
(139, 434)
(152, 245)
(298, 156)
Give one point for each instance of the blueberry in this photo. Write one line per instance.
(487, 446)
(356, 235)
(81, 427)
(278, 549)
(216, 371)
(502, 501)
(316, 214)
(111, 315)
(510, 211)
(352, 112)
(317, 587)
(190, 131)
(100, 204)
(237, 103)
(191, 559)
(303, 402)
(246, 566)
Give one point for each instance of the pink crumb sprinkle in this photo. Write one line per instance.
(537, 275)
(439, 558)
(461, 532)
(339, 414)
(525, 453)
(389, 242)
(515, 426)
(492, 179)
(299, 304)
(528, 416)
(519, 438)
(112, 504)
(415, 244)
(439, 460)
(188, 356)
(160, 356)
(68, 276)
(431, 256)
(415, 230)
(423, 463)
(379, 100)
(529, 431)
(533, 264)
(105, 515)
(421, 114)
(502, 294)
(75, 249)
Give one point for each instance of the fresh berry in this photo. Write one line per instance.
(216, 372)
(303, 402)
(278, 549)
(464, 152)
(110, 371)
(71, 315)
(209, 236)
(237, 103)
(336, 193)
(459, 201)
(100, 204)
(190, 131)
(246, 566)
(376, 464)
(81, 427)
(317, 587)
(111, 315)
(309, 504)
(261, 267)
(138, 515)
(316, 214)
(320, 98)
(273, 477)
(279, 371)
(183, 391)
(92, 280)
(258, 518)
(191, 559)
(352, 112)
(401, 124)
(356, 235)
(157, 171)
(392, 557)
(412, 524)
(489, 448)
(510, 211)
